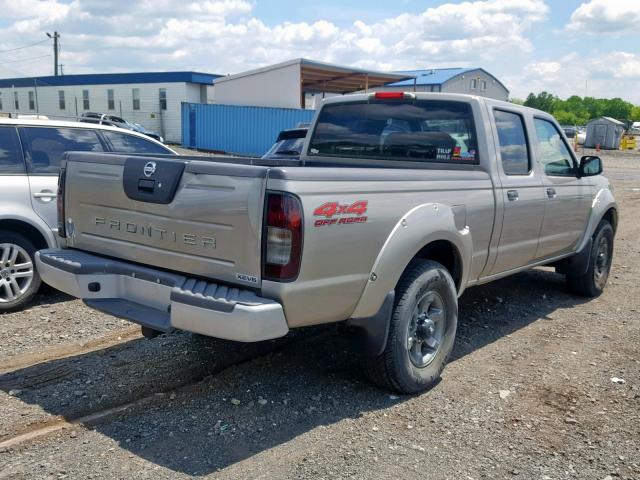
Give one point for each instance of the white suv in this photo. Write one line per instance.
(30, 156)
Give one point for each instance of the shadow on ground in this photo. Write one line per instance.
(285, 388)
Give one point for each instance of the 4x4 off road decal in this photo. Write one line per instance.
(341, 214)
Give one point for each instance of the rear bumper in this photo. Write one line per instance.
(162, 300)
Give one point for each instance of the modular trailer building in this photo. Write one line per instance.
(152, 99)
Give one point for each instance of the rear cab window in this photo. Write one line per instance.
(422, 131)
(45, 146)
(124, 143)
(11, 161)
(512, 139)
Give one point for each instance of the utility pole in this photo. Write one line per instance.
(55, 37)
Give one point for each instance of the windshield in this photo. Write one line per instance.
(429, 130)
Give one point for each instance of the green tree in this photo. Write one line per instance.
(566, 118)
(617, 108)
(635, 114)
(542, 101)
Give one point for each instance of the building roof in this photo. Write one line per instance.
(110, 78)
(433, 76)
(437, 76)
(326, 77)
(608, 119)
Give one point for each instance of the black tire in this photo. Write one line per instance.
(22, 299)
(592, 282)
(396, 368)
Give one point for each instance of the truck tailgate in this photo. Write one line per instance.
(197, 217)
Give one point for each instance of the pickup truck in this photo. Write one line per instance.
(399, 202)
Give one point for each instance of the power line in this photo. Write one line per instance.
(24, 59)
(24, 46)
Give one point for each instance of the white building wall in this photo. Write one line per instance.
(166, 122)
(272, 88)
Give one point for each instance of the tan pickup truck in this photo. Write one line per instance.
(399, 202)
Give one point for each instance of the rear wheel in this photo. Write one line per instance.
(19, 279)
(422, 330)
(592, 282)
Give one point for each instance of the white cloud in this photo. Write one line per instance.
(225, 36)
(606, 16)
(601, 74)
(543, 68)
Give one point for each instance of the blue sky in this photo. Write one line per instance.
(563, 46)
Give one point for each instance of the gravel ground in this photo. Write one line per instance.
(542, 385)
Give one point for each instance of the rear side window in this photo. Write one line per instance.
(420, 131)
(123, 143)
(10, 152)
(514, 151)
(46, 146)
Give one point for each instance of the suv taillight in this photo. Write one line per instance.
(282, 237)
(62, 230)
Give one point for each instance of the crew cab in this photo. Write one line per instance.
(399, 202)
(31, 151)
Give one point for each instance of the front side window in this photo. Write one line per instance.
(553, 153)
(61, 101)
(418, 131)
(123, 143)
(85, 99)
(111, 101)
(16, 102)
(10, 152)
(0, 101)
(136, 98)
(32, 101)
(514, 151)
(163, 98)
(46, 146)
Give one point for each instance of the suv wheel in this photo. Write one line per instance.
(592, 283)
(422, 330)
(19, 280)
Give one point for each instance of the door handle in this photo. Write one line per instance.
(551, 192)
(44, 195)
(512, 195)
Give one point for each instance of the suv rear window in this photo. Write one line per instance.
(10, 153)
(419, 131)
(46, 146)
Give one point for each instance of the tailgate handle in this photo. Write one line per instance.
(145, 185)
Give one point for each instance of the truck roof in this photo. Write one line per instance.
(460, 97)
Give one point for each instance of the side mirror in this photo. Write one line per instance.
(590, 165)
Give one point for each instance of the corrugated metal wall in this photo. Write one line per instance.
(237, 129)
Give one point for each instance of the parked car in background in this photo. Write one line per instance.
(30, 156)
(399, 202)
(577, 134)
(288, 144)
(114, 121)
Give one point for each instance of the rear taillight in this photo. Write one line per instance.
(282, 236)
(62, 230)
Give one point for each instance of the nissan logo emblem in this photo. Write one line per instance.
(149, 169)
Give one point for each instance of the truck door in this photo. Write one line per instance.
(567, 197)
(521, 191)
